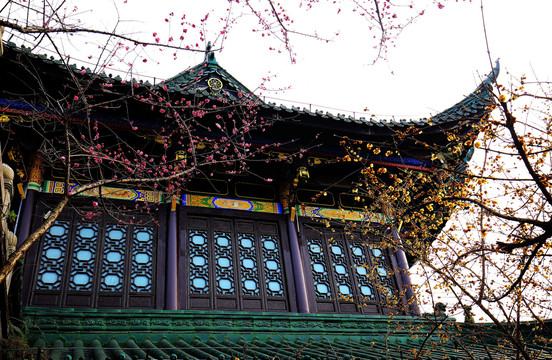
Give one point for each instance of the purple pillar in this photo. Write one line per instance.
(172, 264)
(405, 277)
(298, 272)
(24, 220)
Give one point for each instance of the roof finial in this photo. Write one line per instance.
(209, 54)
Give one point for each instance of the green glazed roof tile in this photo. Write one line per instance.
(114, 350)
(133, 349)
(154, 351)
(57, 350)
(77, 349)
(282, 348)
(191, 350)
(97, 350)
(171, 349)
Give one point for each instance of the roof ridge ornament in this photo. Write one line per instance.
(491, 78)
(209, 54)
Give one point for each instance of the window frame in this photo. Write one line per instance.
(94, 298)
(334, 304)
(225, 301)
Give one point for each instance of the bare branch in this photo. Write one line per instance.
(32, 29)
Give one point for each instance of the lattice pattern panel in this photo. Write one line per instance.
(383, 275)
(363, 272)
(320, 277)
(113, 264)
(224, 269)
(141, 274)
(52, 258)
(341, 270)
(199, 262)
(272, 262)
(248, 264)
(84, 257)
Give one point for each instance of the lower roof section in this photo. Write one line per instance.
(157, 334)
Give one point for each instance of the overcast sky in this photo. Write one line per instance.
(437, 60)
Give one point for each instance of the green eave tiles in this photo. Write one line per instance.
(157, 334)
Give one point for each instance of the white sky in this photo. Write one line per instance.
(437, 60)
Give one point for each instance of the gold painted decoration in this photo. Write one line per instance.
(339, 214)
(215, 85)
(58, 187)
(35, 178)
(215, 202)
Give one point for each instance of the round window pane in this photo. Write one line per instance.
(81, 279)
(53, 254)
(199, 283)
(274, 286)
(57, 230)
(113, 256)
(246, 243)
(225, 284)
(248, 263)
(365, 290)
(49, 277)
(141, 281)
(142, 258)
(198, 239)
(87, 233)
(198, 260)
(319, 268)
(322, 289)
(224, 262)
(344, 289)
(115, 234)
(271, 265)
(340, 269)
(222, 241)
(84, 255)
(111, 280)
(250, 284)
(143, 236)
(270, 245)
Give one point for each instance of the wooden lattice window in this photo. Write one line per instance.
(236, 264)
(348, 271)
(106, 261)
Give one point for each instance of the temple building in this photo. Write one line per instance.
(260, 251)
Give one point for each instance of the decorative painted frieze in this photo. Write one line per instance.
(339, 214)
(215, 202)
(58, 187)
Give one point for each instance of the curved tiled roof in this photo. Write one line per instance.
(470, 107)
(163, 334)
(305, 348)
(194, 81)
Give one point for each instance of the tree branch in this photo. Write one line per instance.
(44, 30)
(510, 121)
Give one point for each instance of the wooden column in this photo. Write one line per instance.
(298, 268)
(33, 187)
(405, 277)
(172, 260)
